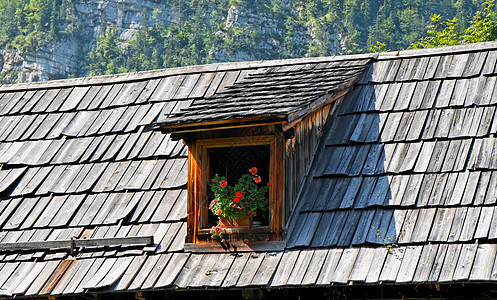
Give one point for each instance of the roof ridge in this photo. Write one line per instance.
(457, 49)
(231, 66)
(160, 73)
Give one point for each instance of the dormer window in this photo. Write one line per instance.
(232, 157)
(267, 116)
(232, 162)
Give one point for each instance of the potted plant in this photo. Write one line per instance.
(235, 206)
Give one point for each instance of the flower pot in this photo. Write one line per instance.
(244, 221)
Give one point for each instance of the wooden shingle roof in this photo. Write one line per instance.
(415, 176)
(280, 92)
(400, 189)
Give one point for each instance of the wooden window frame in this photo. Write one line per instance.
(198, 166)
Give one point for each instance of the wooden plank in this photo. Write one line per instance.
(378, 259)
(202, 85)
(327, 272)
(214, 277)
(455, 230)
(106, 96)
(35, 213)
(88, 266)
(338, 193)
(345, 265)
(363, 228)
(90, 242)
(483, 263)
(74, 98)
(250, 269)
(44, 276)
(191, 267)
(409, 225)
(471, 186)
(443, 220)
(283, 271)
(314, 267)
(114, 274)
(465, 262)
(41, 106)
(322, 229)
(469, 227)
(103, 270)
(489, 65)
(423, 225)
(486, 121)
(68, 209)
(20, 102)
(301, 266)
(409, 263)
(205, 269)
(128, 93)
(449, 267)
(130, 273)
(57, 102)
(186, 86)
(405, 96)
(338, 222)
(306, 234)
(21, 272)
(392, 264)
(171, 271)
(61, 277)
(23, 284)
(491, 196)
(228, 80)
(426, 260)
(362, 264)
(8, 270)
(484, 222)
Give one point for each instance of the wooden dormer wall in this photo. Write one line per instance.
(299, 152)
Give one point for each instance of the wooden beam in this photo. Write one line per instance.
(212, 125)
(175, 134)
(75, 243)
(216, 247)
(335, 94)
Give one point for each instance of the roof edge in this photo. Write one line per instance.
(154, 74)
(231, 66)
(457, 49)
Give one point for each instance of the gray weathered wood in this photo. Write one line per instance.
(142, 240)
(426, 260)
(409, 263)
(250, 270)
(449, 266)
(483, 263)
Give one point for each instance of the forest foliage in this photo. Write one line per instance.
(270, 29)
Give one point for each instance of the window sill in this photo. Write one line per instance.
(215, 246)
(240, 230)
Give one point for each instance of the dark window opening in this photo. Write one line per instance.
(233, 162)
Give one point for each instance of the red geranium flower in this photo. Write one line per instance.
(257, 179)
(253, 171)
(250, 213)
(269, 184)
(212, 203)
(236, 200)
(223, 183)
(239, 194)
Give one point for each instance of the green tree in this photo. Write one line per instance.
(482, 28)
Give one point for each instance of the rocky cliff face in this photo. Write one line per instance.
(65, 57)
